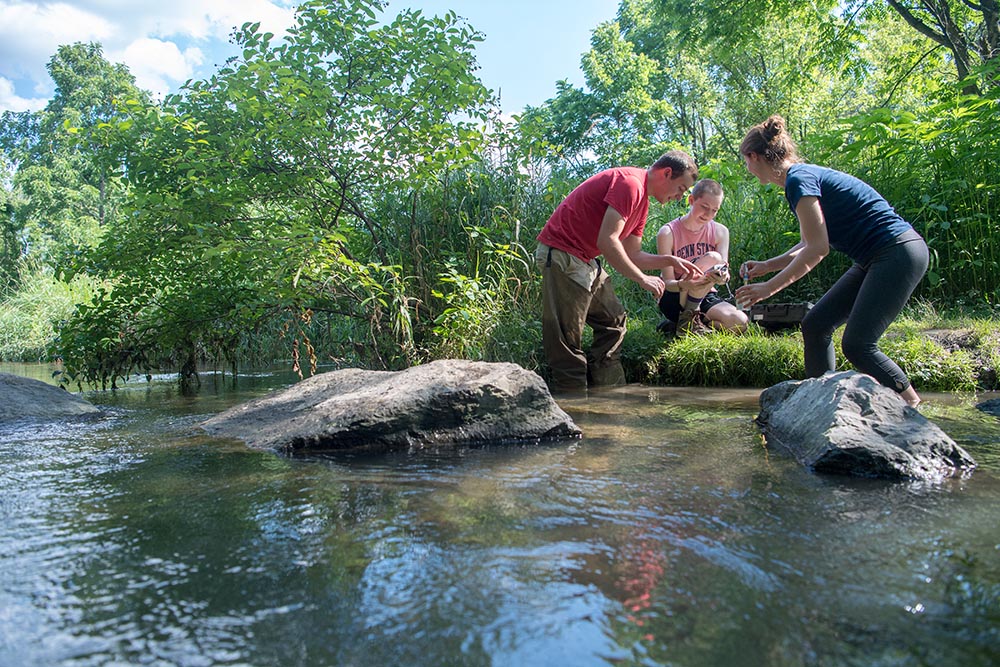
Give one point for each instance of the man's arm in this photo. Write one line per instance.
(620, 256)
(682, 268)
(629, 260)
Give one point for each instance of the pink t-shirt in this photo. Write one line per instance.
(692, 245)
(576, 222)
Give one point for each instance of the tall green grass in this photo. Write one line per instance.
(30, 317)
(721, 359)
(464, 250)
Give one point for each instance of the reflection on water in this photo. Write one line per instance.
(669, 535)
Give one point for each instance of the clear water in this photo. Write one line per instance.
(669, 535)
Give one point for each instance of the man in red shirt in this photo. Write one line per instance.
(604, 216)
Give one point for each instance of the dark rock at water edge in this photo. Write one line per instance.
(847, 423)
(443, 403)
(24, 398)
(991, 407)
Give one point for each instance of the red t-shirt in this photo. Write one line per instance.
(576, 222)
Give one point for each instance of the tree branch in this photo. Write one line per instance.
(917, 24)
(903, 78)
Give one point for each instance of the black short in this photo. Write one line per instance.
(670, 304)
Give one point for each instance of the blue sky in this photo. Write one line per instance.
(529, 44)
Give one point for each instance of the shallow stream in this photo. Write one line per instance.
(668, 535)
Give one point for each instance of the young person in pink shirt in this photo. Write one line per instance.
(604, 216)
(693, 304)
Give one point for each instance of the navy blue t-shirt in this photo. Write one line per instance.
(859, 221)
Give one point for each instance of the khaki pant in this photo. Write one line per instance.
(575, 293)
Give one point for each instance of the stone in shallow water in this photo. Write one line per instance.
(446, 402)
(991, 407)
(22, 397)
(847, 423)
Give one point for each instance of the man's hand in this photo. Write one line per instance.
(653, 284)
(683, 269)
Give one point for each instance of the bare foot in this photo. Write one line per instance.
(910, 396)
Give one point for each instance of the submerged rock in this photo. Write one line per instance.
(447, 402)
(990, 407)
(22, 397)
(847, 423)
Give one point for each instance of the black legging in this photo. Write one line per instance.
(868, 299)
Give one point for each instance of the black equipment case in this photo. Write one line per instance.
(775, 316)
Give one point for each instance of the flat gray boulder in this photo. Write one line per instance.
(847, 423)
(447, 402)
(23, 398)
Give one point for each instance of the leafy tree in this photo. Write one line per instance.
(727, 65)
(699, 74)
(62, 193)
(256, 193)
(621, 119)
(669, 73)
(10, 246)
(904, 69)
(969, 30)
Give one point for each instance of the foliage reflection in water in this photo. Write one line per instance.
(668, 535)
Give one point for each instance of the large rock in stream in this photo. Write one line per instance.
(847, 423)
(443, 403)
(22, 398)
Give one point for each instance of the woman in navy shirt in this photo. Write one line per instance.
(837, 210)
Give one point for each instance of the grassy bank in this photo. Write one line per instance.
(938, 352)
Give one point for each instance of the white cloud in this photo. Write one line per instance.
(214, 20)
(163, 43)
(193, 19)
(30, 33)
(10, 101)
(158, 66)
